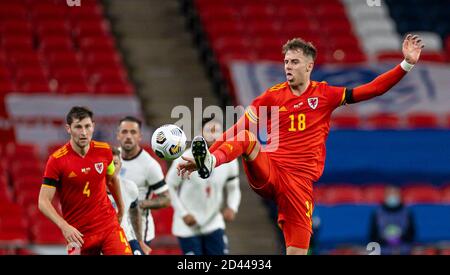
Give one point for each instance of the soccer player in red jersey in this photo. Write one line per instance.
(298, 128)
(80, 172)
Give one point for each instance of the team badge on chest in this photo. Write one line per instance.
(313, 102)
(99, 167)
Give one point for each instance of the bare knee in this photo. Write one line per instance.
(291, 250)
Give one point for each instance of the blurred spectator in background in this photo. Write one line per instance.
(393, 224)
(202, 206)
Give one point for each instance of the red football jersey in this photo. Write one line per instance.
(303, 125)
(81, 186)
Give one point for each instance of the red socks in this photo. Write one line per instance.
(242, 144)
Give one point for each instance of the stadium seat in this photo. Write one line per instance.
(118, 87)
(39, 86)
(56, 43)
(383, 121)
(52, 27)
(340, 194)
(420, 193)
(14, 43)
(345, 121)
(422, 120)
(421, 250)
(15, 27)
(24, 59)
(13, 10)
(374, 193)
(31, 74)
(446, 194)
(75, 88)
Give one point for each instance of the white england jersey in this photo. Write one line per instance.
(203, 198)
(146, 172)
(130, 193)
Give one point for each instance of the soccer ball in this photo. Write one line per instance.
(169, 142)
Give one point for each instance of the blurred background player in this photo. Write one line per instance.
(392, 224)
(80, 172)
(145, 171)
(202, 206)
(131, 221)
(287, 172)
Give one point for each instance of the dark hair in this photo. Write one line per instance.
(79, 112)
(115, 151)
(300, 44)
(131, 119)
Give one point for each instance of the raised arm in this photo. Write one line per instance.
(412, 47)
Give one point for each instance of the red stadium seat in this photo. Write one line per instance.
(224, 13)
(374, 193)
(341, 193)
(433, 57)
(69, 75)
(24, 59)
(14, 43)
(13, 225)
(420, 250)
(422, 120)
(13, 10)
(390, 56)
(16, 27)
(45, 10)
(114, 88)
(46, 232)
(259, 28)
(27, 167)
(258, 11)
(383, 121)
(53, 27)
(31, 74)
(18, 150)
(345, 121)
(421, 193)
(75, 88)
(35, 87)
(56, 43)
(7, 86)
(223, 28)
(63, 59)
(445, 196)
(91, 28)
(88, 44)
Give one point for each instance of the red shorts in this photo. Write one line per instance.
(294, 201)
(110, 242)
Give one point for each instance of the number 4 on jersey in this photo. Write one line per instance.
(86, 190)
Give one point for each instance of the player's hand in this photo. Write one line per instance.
(185, 169)
(228, 214)
(412, 47)
(189, 220)
(145, 248)
(72, 235)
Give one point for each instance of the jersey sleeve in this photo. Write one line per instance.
(52, 173)
(256, 108)
(335, 96)
(232, 186)
(155, 177)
